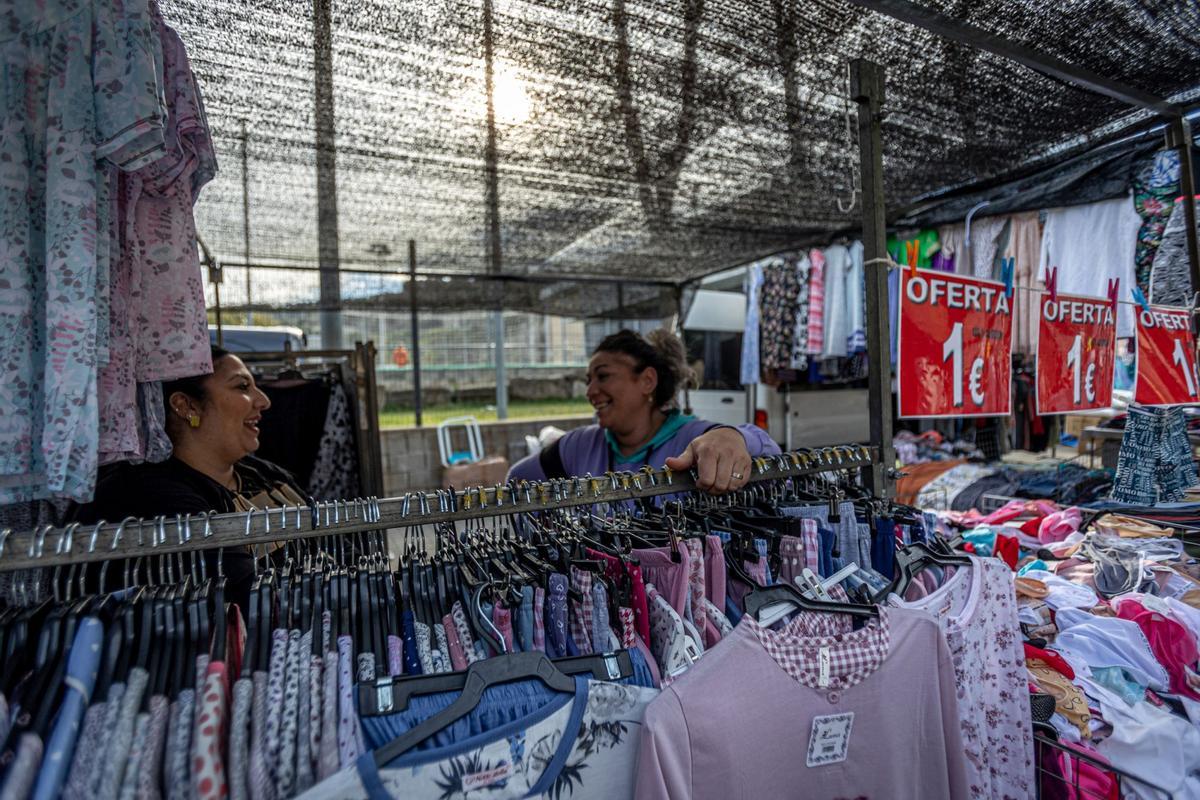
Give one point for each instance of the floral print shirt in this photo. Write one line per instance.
(778, 305)
(977, 610)
(158, 328)
(582, 747)
(79, 97)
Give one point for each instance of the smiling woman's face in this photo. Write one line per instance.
(229, 413)
(620, 394)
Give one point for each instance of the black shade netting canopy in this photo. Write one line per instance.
(635, 141)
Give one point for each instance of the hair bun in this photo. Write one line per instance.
(673, 356)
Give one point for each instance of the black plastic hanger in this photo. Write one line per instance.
(158, 663)
(913, 558)
(761, 596)
(479, 676)
(217, 637)
(615, 666)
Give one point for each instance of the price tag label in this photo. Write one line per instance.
(1166, 358)
(1076, 350)
(954, 354)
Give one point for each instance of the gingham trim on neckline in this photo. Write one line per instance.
(853, 656)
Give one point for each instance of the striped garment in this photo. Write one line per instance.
(816, 302)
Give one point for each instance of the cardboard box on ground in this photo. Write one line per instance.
(487, 472)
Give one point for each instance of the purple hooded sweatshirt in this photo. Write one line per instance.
(585, 450)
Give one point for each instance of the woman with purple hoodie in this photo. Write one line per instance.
(632, 382)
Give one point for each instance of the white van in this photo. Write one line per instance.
(260, 338)
(712, 334)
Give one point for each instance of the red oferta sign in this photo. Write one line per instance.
(955, 346)
(1076, 349)
(1166, 357)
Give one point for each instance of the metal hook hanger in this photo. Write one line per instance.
(160, 537)
(66, 543)
(182, 537)
(37, 545)
(116, 540)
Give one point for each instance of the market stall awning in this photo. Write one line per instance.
(635, 141)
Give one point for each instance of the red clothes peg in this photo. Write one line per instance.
(1114, 286)
(1052, 283)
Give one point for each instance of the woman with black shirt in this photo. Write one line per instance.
(212, 421)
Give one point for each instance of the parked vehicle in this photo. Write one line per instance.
(260, 339)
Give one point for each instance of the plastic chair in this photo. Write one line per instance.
(451, 457)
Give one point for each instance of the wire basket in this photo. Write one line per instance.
(1065, 773)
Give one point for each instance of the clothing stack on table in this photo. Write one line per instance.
(1109, 611)
(1116, 619)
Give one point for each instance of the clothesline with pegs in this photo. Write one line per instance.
(1139, 300)
(50, 546)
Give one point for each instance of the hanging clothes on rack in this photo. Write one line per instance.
(1155, 189)
(1170, 274)
(65, 142)
(1090, 245)
(837, 313)
(751, 363)
(816, 302)
(842, 696)
(158, 327)
(1024, 247)
(519, 663)
(778, 303)
(335, 471)
(290, 435)
(313, 429)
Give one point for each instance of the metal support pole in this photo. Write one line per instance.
(687, 392)
(215, 279)
(866, 88)
(491, 155)
(245, 218)
(415, 327)
(501, 371)
(328, 255)
(491, 158)
(1179, 136)
(787, 414)
(220, 325)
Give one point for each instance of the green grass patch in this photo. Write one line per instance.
(395, 417)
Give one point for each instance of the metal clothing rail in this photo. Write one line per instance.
(50, 546)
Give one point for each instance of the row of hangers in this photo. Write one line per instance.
(746, 513)
(170, 610)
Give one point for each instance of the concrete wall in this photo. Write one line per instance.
(410, 455)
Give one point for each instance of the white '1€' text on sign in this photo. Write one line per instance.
(955, 346)
(1166, 358)
(1076, 349)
